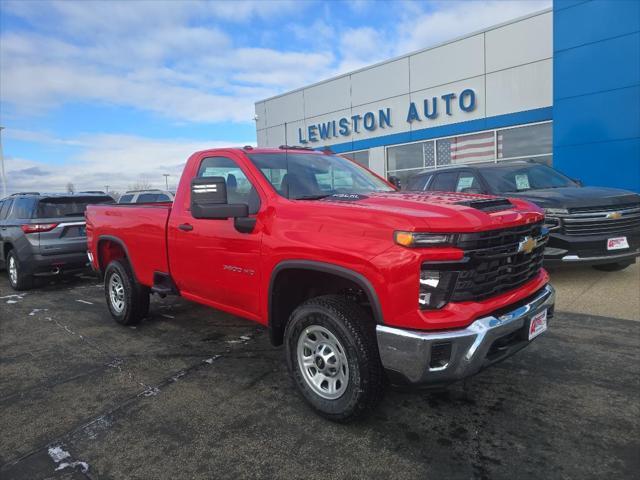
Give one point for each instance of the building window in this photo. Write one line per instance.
(478, 147)
(361, 157)
(406, 160)
(527, 141)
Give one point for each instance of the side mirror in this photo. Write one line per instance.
(209, 200)
(395, 181)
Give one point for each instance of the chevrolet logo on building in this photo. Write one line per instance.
(614, 215)
(527, 244)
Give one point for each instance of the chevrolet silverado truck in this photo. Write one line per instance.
(362, 283)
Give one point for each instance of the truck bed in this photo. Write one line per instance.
(140, 229)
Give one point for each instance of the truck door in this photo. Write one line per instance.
(209, 258)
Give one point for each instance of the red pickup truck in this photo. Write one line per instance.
(361, 282)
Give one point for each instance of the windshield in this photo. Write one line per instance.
(56, 207)
(300, 176)
(520, 178)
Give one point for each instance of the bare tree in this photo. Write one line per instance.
(141, 184)
(71, 188)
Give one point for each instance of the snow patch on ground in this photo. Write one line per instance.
(85, 302)
(167, 316)
(57, 454)
(210, 360)
(242, 339)
(84, 466)
(36, 310)
(14, 298)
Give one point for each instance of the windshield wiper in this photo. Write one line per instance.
(312, 197)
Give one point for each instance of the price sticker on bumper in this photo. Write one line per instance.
(538, 324)
(617, 243)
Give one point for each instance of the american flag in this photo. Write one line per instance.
(474, 148)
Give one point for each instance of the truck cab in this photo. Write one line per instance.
(362, 283)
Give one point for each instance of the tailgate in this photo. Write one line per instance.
(69, 236)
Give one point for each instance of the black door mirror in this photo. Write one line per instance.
(395, 181)
(209, 200)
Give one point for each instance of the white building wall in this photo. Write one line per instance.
(509, 67)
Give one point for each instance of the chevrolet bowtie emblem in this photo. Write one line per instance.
(527, 245)
(614, 215)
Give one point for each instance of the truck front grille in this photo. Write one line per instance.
(496, 261)
(601, 220)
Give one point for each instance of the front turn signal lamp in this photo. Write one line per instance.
(418, 239)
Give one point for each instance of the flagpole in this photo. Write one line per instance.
(4, 178)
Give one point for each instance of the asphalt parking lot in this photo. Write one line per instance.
(196, 393)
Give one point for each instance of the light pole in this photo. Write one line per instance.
(4, 178)
(166, 180)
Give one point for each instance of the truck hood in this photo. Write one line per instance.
(573, 197)
(437, 211)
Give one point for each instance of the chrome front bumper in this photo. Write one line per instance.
(407, 354)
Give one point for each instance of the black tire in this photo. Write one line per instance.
(355, 332)
(612, 267)
(21, 281)
(134, 304)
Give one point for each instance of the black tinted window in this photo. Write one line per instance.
(4, 209)
(418, 183)
(126, 198)
(147, 198)
(22, 208)
(444, 182)
(67, 206)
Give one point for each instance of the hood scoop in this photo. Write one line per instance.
(488, 204)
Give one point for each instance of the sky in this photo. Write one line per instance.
(98, 93)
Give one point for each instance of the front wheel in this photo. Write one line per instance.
(613, 267)
(128, 301)
(332, 355)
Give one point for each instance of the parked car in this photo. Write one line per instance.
(43, 234)
(146, 196)
(588, 225)
(358, 280)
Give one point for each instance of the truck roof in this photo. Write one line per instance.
(282, 148)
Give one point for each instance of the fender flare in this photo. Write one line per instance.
(330, 268)
(113, 239)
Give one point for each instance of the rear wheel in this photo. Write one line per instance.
(128, 301)
(332, 355)
(613, 267)
(17, 278)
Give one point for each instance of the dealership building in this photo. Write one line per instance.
(561, 86)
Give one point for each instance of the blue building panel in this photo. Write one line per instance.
(594, 21)
(596, 109)
(612, 164)
(605, 65)
(610, 115)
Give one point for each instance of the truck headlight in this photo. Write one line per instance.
(418, 239)
(435, 288)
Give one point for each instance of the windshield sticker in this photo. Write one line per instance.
(464, 182)
(346, 197)
(522, 182)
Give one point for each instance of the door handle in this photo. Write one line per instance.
(185, 227)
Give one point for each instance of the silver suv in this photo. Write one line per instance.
(43, 234)
(146, 196)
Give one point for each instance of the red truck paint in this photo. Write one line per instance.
(215, 265)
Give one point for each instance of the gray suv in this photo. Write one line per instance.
(43, 234)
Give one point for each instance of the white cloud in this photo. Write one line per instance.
(449, 20)
(116, 160)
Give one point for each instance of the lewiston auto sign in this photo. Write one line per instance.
(429, 109)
